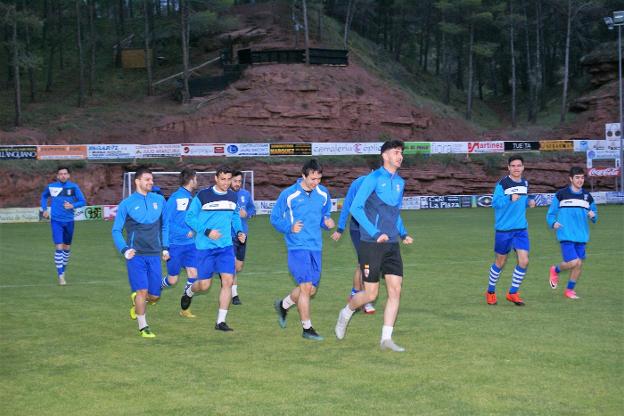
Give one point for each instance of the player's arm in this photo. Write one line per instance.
(165, 225)
(79, 199)
(499, 199)
(551, 215)
(251, 207)
(592, 208)
(192, 216)
(118, 225)
(346, 206)
(280, 221)
(237, 224)
(359, 201)
(327, 222)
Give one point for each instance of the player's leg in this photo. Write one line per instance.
(225, 266)
(294, 257)
(393, 284)
(575, 271)
(502, 247)
(174, 265)
(57, 238)
(239, 253)
(68, 235)
(205, 269)
(139, 284)
(308, 278)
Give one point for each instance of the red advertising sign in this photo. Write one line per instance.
(604, 172)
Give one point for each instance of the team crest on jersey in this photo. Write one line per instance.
(70, 192)
(55, 190)
(398, 188)
(366, 270)
(585, 197)
(182, 204)
(243, 199)
(155, 205)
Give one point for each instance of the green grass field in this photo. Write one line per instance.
(74, 351)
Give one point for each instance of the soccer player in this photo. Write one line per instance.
(181, 237)
(510, 201)
(247, 210)
(212, 215)
(376, 207)
(301, 211)
(354, 232)
(569, 212)
(66, 196)
(146, 237)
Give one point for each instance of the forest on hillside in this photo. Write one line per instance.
(522, 49)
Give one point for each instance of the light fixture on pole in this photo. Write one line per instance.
(618, 21)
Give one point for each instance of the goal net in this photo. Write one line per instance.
(168, 182)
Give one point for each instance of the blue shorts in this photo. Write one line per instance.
(239, 249)
(355, 239)
(506, 240)
(572, 251)
(181, 256)
(144, 272)
(62, 232)
(305, 266)
(215, 260)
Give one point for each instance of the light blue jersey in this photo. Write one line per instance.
(141, 217)
(175, 215)
(569, 209)
(509, 215)
(346, 206)
(376, 206)
(62, 192)
(214, 210)
(311, 208)
(245, 201)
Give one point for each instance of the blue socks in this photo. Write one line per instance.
(571, 284)
(58, 261)
(494, 274)
(516, 279)
(557, 269)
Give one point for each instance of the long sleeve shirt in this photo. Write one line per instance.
(174, 215)
(510, 215)
(570, 209)
(346, 206)
(61, 192)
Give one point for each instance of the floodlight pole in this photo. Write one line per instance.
(621, 122)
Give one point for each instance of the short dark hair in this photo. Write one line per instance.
(392, 144)
(237, 173)
(63, 167)
(576, 170)
(223, 169)
(142, 171)
(311, 165)
(515, 157)
(186, 176)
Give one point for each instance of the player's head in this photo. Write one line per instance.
(311, 174)
(392, 154)
(223, 178)
(143, 180)
(515, 164)
(188, 179)
(62, 174)
(237, 180)
(577, 176)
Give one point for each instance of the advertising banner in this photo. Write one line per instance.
(109, 212)
(290, 149)
(449, 147)
(613, 134)
(246, 149)
(604, 172)
(18, 152)
(443, 202)
(583, 145)
(264, 207)
(326, 149)
(486, 147)
(613, 197)
(151, 151)
(201, 149)
(542, 200)
(414, 148)
(111, 151)
(8, 215)
(484, 201)
(411, 202)
(59, 152)
(522, 146)
(597, 154)
(556, 145)
(92, 212)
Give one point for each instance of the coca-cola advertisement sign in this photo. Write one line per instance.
(604, 172)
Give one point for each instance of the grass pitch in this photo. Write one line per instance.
(74, 351)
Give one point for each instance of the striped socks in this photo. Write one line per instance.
(494, 274)
(58, 261)
(516, 279)
(66, 254)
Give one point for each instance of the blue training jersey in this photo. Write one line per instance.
(213, 210)
(311, 208)
(245, 201)
(346, 206)
(175, 216)
(570, 209)
(60, 192)
(377, 204)
(141, 217)
(510, 215)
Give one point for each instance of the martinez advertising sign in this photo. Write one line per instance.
(486, 147)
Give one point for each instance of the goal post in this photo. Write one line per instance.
(168, 182)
